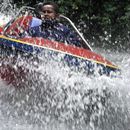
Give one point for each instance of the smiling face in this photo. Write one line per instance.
(48, 12)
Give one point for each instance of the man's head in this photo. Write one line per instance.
(49, 10)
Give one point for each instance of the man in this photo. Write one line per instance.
(49, 26)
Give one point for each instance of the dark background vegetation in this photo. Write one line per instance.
(105, 23)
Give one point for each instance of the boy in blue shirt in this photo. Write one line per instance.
(49, 27)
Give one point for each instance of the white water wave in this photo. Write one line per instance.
(65, 103)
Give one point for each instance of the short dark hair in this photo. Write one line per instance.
(38, 8)
(55, 6)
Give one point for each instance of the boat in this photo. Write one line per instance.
(80, 57)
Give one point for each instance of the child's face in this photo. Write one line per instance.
(48, 12)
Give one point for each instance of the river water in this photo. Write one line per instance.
(56, 98)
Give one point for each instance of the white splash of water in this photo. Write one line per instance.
(58, 94)
(7, 11)
(4, 19)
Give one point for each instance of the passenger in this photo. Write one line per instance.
(49, 26)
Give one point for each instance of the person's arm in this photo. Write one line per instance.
(74, 39)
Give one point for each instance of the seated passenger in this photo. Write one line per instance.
(49, 27)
